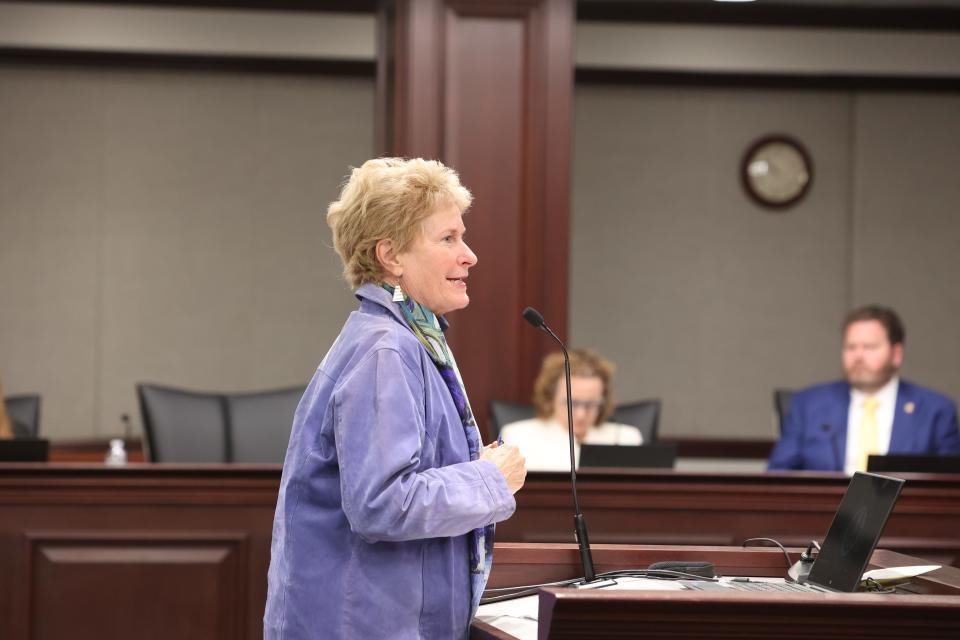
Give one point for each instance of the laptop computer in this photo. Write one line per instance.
(903, 463)
(656, 454)
(853, 535)
(24, 450)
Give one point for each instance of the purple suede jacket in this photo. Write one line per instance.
(378, 495)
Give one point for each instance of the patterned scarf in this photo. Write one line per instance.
(426, 327)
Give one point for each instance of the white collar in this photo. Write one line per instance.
(887, 394)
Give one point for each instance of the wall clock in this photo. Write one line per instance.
(776, 171)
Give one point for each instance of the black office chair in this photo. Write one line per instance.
(781, 404)
(644, 415)
(503, 413)
(24, 412)
(260, 423)
(183, 426)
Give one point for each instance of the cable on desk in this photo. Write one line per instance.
(785, 554)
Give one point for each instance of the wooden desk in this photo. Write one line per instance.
(177, 551)
(597, 615)
(93, 451)
(146, 551)
(665, 507)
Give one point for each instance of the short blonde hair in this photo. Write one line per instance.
(583, 362)
(388, 198)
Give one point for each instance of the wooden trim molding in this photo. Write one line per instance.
(896, 16)
(93, 451)
(338, 6)
(136, 60)
(838, 82)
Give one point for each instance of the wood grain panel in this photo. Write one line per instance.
(484, 140)
(486, 87)
(194, 541)
(164, 585)
(152, 535)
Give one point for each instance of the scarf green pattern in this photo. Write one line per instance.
(426, 326)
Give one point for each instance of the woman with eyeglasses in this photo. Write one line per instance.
(544, 440)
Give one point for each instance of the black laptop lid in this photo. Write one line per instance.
(656, 454)
(914, 464)
(855, 531)
(25, 450)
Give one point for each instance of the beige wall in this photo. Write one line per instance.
(707, 301)
(906, 223)
(142, 28)
(168, 226)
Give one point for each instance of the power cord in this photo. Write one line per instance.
(875, 587)
(785, 554)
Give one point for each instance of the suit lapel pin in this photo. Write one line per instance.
(909, 407)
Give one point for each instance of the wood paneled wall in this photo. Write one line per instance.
(145, 551)
(178, 551)
(486, 88)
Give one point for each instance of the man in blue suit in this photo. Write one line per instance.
(835, 426)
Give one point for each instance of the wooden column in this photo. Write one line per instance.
(486, 87)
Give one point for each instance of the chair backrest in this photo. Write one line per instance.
(183, 426)
(260, 423)
(644, 415)
(781, 404)
(24, 412)
(503, 412)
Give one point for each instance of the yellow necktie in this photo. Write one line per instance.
(867, 436)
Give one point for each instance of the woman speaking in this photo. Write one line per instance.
(384, 521)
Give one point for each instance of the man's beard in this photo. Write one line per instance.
(869, 381)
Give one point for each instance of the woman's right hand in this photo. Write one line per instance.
(510, 461)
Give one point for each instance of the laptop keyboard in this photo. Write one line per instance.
(737, 585)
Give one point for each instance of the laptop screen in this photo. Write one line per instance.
(914, 464)
(25, 450)
(855, 531)
(657, 454)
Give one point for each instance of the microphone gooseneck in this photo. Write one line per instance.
(534, 317)
(828, 429)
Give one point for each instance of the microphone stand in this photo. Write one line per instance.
(590, 580)
(828, 429)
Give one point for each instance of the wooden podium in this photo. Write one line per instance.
(723, 509)
(932, 611)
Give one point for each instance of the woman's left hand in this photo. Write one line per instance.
(510, 461)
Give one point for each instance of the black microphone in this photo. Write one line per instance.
(533, 316)
(828, 429)
(590, 579)
(127, 429)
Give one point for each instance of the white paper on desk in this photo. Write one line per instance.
(518, 617)
(898, 574)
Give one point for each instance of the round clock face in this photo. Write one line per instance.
(776, 171)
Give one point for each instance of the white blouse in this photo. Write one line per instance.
(545, 443)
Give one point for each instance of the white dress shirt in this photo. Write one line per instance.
(546, 444)
(887, 399)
